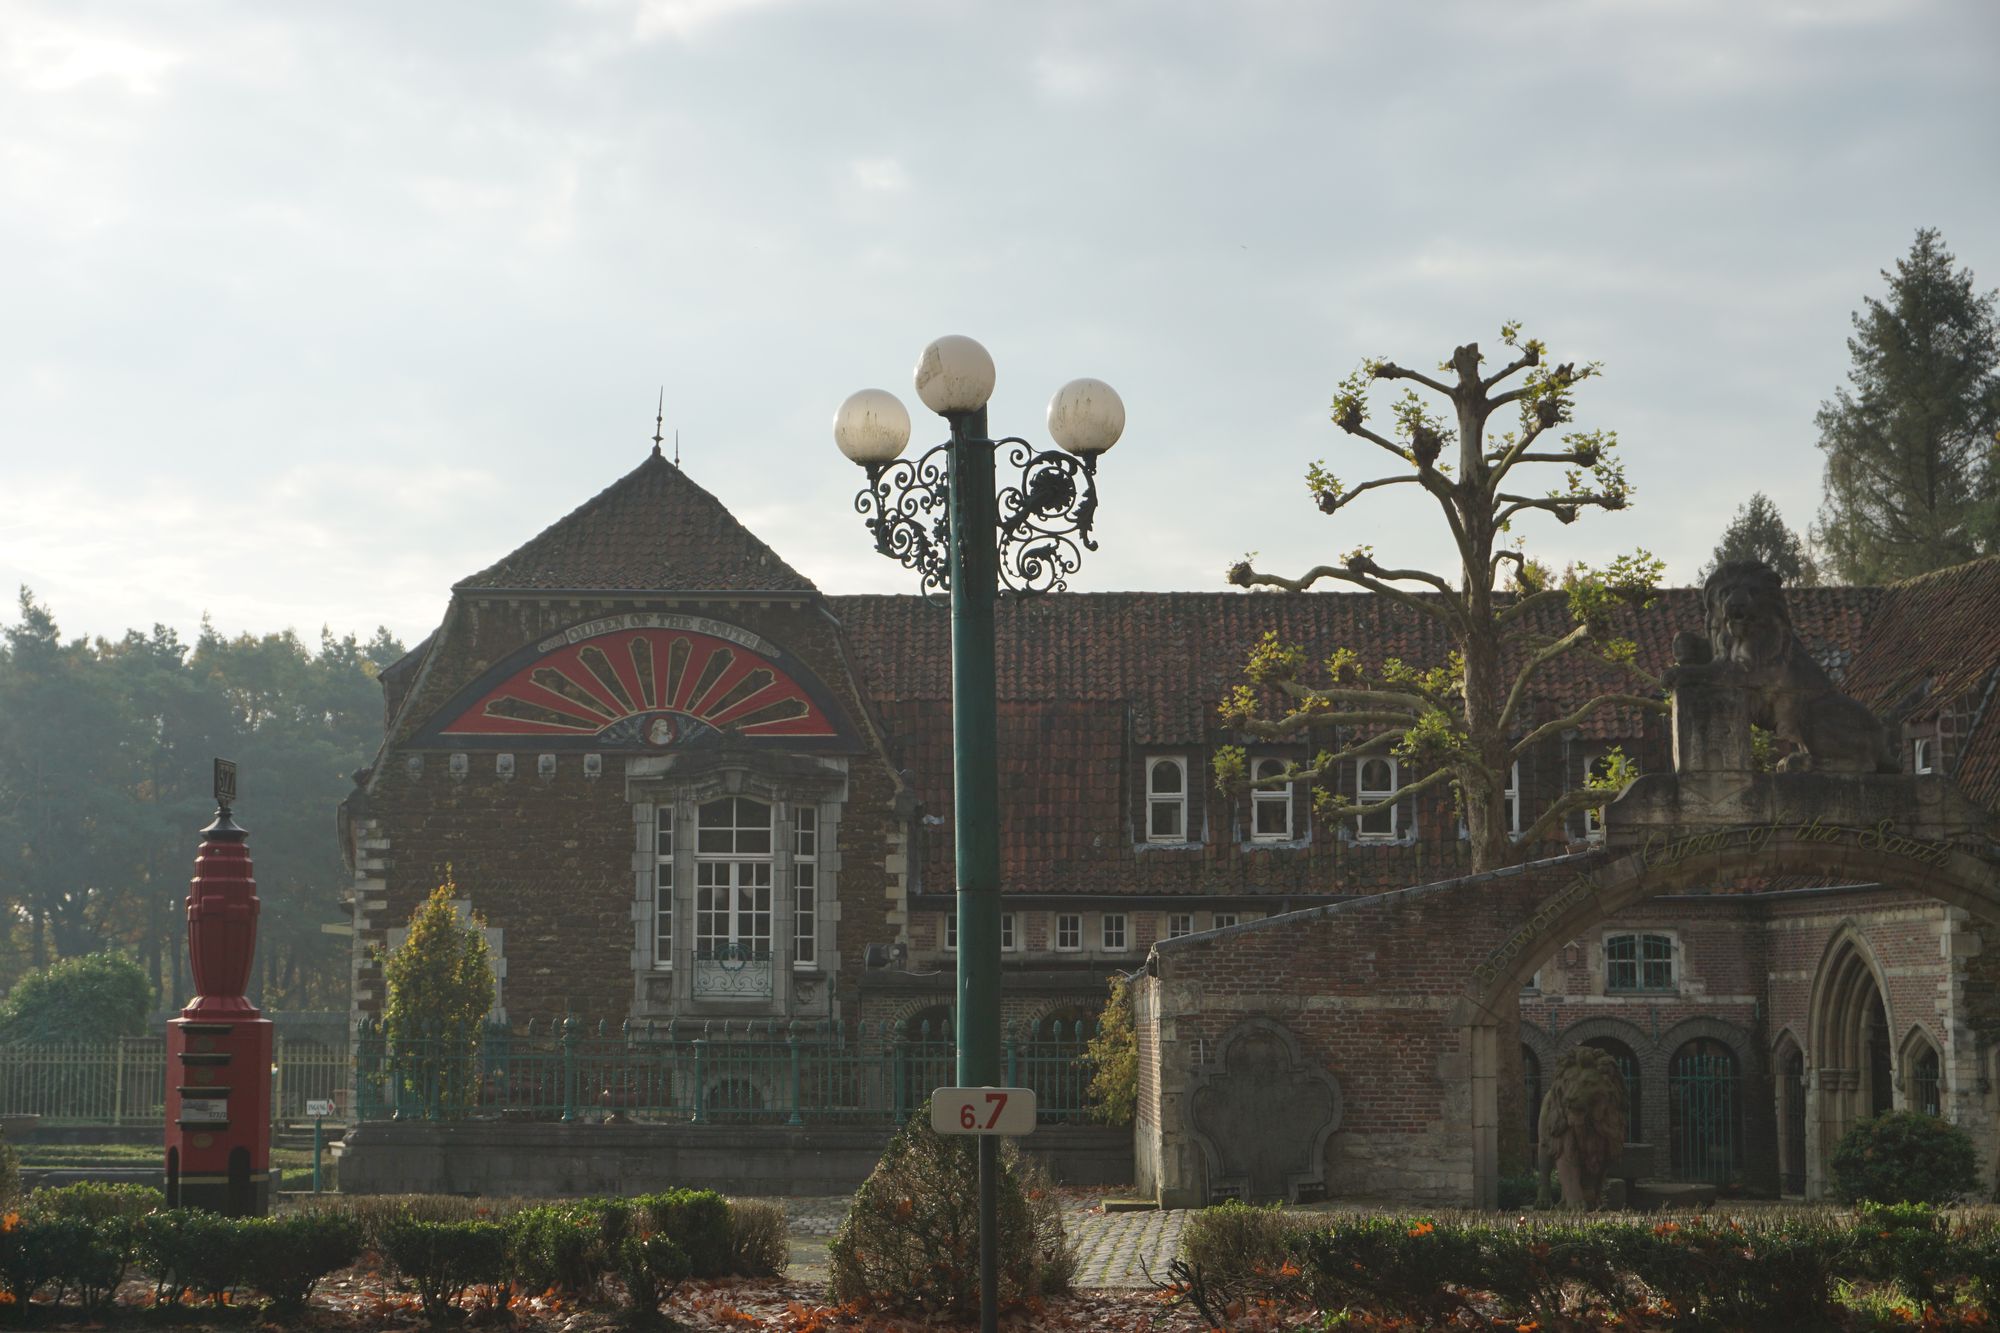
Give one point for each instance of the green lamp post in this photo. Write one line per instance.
(941, 516)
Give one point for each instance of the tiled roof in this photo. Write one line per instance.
(651, 529)
(1170, 657)
(1935, 646)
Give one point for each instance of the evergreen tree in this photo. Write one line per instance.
(1912, 478)
(1758, 532)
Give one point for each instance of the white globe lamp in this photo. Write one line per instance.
(872, 427)
(955, 374)
(1086, 417)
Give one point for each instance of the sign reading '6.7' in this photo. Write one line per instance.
(1005, 1111)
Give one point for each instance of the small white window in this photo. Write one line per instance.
(1010, 935)
(663, 886)
(1224, 919)
(1920, 755)
(1270, 807)
(951, 931)
(1179, 924)
(1512, 797)
(1069, 932)
(1114, 932)
(1166, 800)
(805, 885)
(1593, 817)
(1375, 780)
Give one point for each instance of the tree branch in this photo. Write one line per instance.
(1347, 497)
(1389, 370)
(1547, 653)
(1563, 724)
(1431, 779)
(1534, 601)
(1446, 610)
(1514, 367)
(1293, 723)
(1583, 798)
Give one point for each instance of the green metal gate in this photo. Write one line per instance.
(1703, 1117)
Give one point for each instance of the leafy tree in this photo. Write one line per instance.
(1758, 532)
(97, 997)
(440, 987)
(1114, 1059)
(1912, 462)
(1464, 721)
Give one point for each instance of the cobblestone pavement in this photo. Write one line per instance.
(1113, 1250)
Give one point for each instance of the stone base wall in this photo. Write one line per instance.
(540, 1160)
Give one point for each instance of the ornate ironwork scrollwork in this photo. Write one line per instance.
(908, 507)
(1045, 520)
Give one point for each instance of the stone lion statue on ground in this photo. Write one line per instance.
(1790, 694)
(1582, 1127)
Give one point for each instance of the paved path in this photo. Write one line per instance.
(1113, 1249)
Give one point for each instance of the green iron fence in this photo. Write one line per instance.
(124, 1082)
(708, 1073)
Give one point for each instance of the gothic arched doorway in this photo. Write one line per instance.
(1852, 1061)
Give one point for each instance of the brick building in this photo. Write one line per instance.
(679, 781)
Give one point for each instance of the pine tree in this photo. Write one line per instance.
(1758, 532)
(1912, 476)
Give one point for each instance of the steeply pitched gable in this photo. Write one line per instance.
(651, 530)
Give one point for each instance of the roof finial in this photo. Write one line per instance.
(659, 417)
(677, 446)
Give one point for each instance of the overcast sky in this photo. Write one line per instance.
(309, 310)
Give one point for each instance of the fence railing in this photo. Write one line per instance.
(707, 1073)
(124, 1082)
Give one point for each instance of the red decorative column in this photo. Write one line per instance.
(219, 1049)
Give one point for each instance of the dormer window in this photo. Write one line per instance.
(1923, 755)
(1166, 800)
(1512, 797)
(1374, 782)
(1270, 807)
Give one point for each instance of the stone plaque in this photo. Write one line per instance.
(1262, 1115)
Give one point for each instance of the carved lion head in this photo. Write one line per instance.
(1747, 619)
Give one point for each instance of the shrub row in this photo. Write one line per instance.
(78, 1243)
(1784, 1270)
(81, 1250)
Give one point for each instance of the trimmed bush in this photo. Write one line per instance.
(10, 1175)
(759, 1242)
(1233, 1242)
(698, 1222)
(443, 1260)
(94, 1201)
(190, 1252)
(910, 1242)
(1055, 1252)
(558, 1248)
(1904, 1157)
(287, 1256)
(651, 1266)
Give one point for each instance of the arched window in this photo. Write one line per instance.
(1925, 1071)
(1703, 1113)
(1166, 800)
(1270, 807)
(1375, 781)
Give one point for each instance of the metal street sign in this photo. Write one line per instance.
(319, 1109)
(1005, 1111)
(225, 782)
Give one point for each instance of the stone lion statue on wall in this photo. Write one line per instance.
(1582, 1126)
(1790, 694)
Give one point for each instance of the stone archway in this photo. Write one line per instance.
(1852, 1067)
(1672, 832)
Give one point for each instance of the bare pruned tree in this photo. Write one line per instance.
(1464, 721)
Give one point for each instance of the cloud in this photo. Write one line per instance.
(49, 56)
(878, 175)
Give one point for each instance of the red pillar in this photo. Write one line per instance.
(219, 1049)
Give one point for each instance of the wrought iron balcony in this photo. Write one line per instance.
(732, 971)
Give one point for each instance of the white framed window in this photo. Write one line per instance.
(1512, 799)
(1922, 752)
(732, 883)
(951, 931)
(1375, 780)
(1270, 807)
(1069, 932)
(1166, 799)
(1179, 924)
(1113, 932)
(1010, 933)
(805, 885)
(1639, 962)
(1223, 919)
(663, 886)
(1593, 816)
